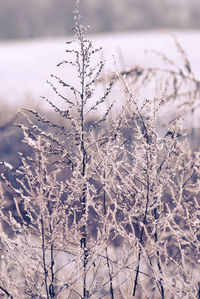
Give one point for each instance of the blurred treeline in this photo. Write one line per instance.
(32, 18)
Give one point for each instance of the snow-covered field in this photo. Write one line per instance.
(26, 65)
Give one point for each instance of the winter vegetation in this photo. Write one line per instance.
(103, 201)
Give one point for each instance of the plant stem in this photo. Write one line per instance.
(6, 292)
(110, 275)
(51, 287)
(44, 259)
(144, 222)
(84, 162)
(158, 259)
(198, 294)
(107, 256)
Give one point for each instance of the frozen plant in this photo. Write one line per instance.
(59, 245)
(105, 206)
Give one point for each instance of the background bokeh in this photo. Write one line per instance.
(36, 18)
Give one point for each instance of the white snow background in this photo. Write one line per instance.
(25, 65)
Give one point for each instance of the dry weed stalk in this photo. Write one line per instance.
(107, 208)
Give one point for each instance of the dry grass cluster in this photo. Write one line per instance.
(106, 205)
